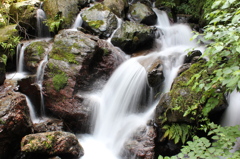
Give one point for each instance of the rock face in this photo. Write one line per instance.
(76, 62)
(34, 54)
(99, 20)
(25, 12)
(15, 119)
(132, 37)
(68, 10)
(118, 7)
(49, 125)
(141, 145)
(56, 143)
(142, 13)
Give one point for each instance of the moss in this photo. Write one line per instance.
(61, 52)
(37, 47)
(60, 81)
(96, 24)
(99, 7)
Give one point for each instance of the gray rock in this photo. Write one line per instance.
(131, 37)
(99, 20)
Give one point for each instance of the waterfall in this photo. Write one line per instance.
(231, 115)
(39, 80)
(42, 29)
(31, 110)
(117, 111)
(78, 22)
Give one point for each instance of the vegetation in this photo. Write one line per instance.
(55, 23)
(60, 81)
(223, 70)
(10, 45)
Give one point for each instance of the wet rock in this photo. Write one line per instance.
(183, 68)
(142, 13)
(99, 20)
(15, 119)
(192, 56)
(34, 54)
(49, 125)
(56, 143)
(131, 37)
(25, 13)
(141, 145)
(155, 73)
(118, 7)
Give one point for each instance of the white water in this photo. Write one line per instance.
(42, 29)
(31, 110)
(39, 80)
(231, 116)
(78, 22)
(117, 114)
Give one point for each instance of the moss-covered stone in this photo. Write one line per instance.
(7, 32)
(99, 20)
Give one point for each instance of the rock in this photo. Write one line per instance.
(3, 62)
(99, 20)
(56, 143)
(49, 125)
(34, 54)
(142, 13)
(15, 119)
(155, 73)
(7, 32)
(175, 105)
(29, 87)
(192, 56)
(141, 145)
(118, 7)
(66, 9)
(131, 37)
(76, 63)
(183, 68)
(25, 13)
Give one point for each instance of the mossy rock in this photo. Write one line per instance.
(99, 20)
(118, 7)
(7, 32)
(142, 13)
(185, 105)
(131, 37)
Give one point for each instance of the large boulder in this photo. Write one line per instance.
(34, 54)
(66, 9)
(142, 13)
(118, 7)
(183, 105)
(15, 119)
(76, 62)
(99, 20)
(56, 143)
(142, 144)
(131, 37)
(25, 14)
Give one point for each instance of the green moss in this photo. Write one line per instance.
(99, 7)
(96, 24)
(37, 47)
(61, 52)
(60, 81)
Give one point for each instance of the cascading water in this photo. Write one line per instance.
(42, 29)
(78, 22)
(117, 114)
(39, 80)
(231, 115)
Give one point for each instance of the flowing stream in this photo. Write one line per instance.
(117, 114)
(42, 29)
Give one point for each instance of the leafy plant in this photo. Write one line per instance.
(177, 132)
(10, 45)
(220, 144)
(55, 23)
(59, 81)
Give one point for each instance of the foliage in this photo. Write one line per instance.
(177, 132)
(224, 51)
(59, 81)
(55, 23)
(220, 145)
(10, 45)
